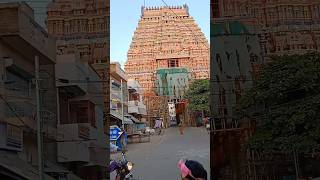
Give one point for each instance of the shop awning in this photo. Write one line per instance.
(119, 117)
(135, 120)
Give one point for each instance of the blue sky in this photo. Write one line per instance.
(125, 14)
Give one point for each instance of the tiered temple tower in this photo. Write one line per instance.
(166, 37)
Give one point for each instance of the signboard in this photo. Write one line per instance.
(115, 133)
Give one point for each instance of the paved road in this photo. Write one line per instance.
(158, 159)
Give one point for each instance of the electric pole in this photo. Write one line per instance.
(39, 129)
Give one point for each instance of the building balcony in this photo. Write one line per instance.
(133, 86)
(136, 107)
(25, 111)
(76, 151)
(27, 118)
(76, 132)
(117, 72)
(71, 74)
(20, 31)
(133, 107)
(142, 108)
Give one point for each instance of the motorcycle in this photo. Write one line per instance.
(123, 168)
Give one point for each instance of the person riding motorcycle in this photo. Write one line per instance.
(192, 170)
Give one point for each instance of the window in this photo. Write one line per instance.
(82, 112)
(173, 63)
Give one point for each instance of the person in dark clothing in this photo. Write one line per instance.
(192, 170)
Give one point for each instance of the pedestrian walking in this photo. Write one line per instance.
(192, 170)
(181, 127)
(158, 125)
(207, 124)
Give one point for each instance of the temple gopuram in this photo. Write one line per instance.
(167, 38)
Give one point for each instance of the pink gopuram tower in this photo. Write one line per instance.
(166, 37)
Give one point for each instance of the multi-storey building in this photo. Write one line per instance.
(136, 106)
(82, 27)
(21, 41)
(39, 9)
(118, 96)
(81, 140)
(166, 37)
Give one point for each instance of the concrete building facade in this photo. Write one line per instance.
(136, 106)
(118, 96)
(21, 40)
(82, 27)
(81, 141)
(166, 37)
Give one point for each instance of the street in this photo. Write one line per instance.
(157, 160)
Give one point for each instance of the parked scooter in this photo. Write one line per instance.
(123, 168)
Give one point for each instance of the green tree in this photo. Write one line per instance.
(286, 103)
(198, 95)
